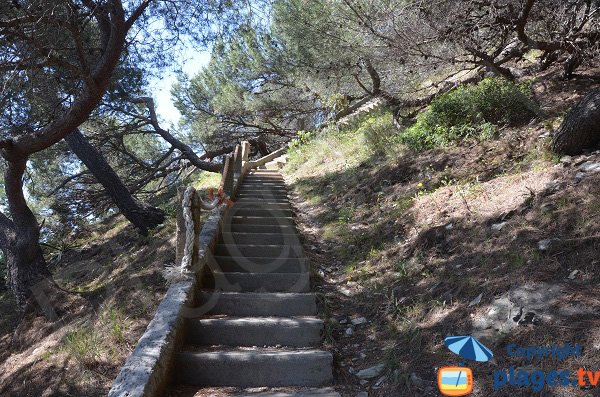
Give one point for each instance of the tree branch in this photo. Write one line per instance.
(187, 151)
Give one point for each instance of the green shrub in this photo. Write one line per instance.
(379, 131)
(471, 112)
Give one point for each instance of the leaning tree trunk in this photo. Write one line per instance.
(142, 216)
(19, 238)
(580, 130)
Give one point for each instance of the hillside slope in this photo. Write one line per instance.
(497, 238)
(112, 281)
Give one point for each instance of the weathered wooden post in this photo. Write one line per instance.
(237, 163)
(180, 244)
(228, 175)
(196, 214)
(245, 155)
(245, 150)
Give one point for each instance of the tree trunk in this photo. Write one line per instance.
(142, 216)
(19, 238)
(580, 130)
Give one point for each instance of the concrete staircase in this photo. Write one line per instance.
(260, 327)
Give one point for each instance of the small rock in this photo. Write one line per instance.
(579, 177)
(380, 381)
(349, 331)
(364, 393)
(345, 291)
(573, 274)
(547, 208)
(358, 321)
(343, 321)
(449, 226)
(566, 160)
(544, 245)
(496, 227)
(476, 301)
(590, 166)
(580, 160)
(415, 380)
(372, 372)
(551, 187)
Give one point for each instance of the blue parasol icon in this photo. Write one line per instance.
(468, 347)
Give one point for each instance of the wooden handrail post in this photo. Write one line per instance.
(196, 216)
(228, 175)
(180, 244)
(237, 162)
(245, 150)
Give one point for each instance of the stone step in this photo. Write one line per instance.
(264, 172)
(264, 183)
(247, 228)
(263, 186)
(259, 265)
(254, 368)
(259, 238)
(265, 205)
(261, 304)
(266, 212)
(258, 201)
(326, 392)
(262, 191)
(268, 196)
(265, 178)
(261, 220)
(260, 282)
(255, 331)
(253, 250)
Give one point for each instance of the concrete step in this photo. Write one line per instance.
(254, 368)
(274, 212)
(259, 238)
(251, 304)
(265, 205)
(262, 191)
(258, 201)
(326, 392)
(259, 265)
(247, 228)
(264, 172)
(268, 178)
(266, 251)
(263, 186)
(268, 196)
(261, 220)
(255, 331)
(256, 182)
(261, 282)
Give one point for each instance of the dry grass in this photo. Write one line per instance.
(114, 283)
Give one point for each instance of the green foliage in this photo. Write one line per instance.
(379, 131)
(302, 138)
(471, 112)
(83, 344)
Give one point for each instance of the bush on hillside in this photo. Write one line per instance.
(471, 112)
(379, 131)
